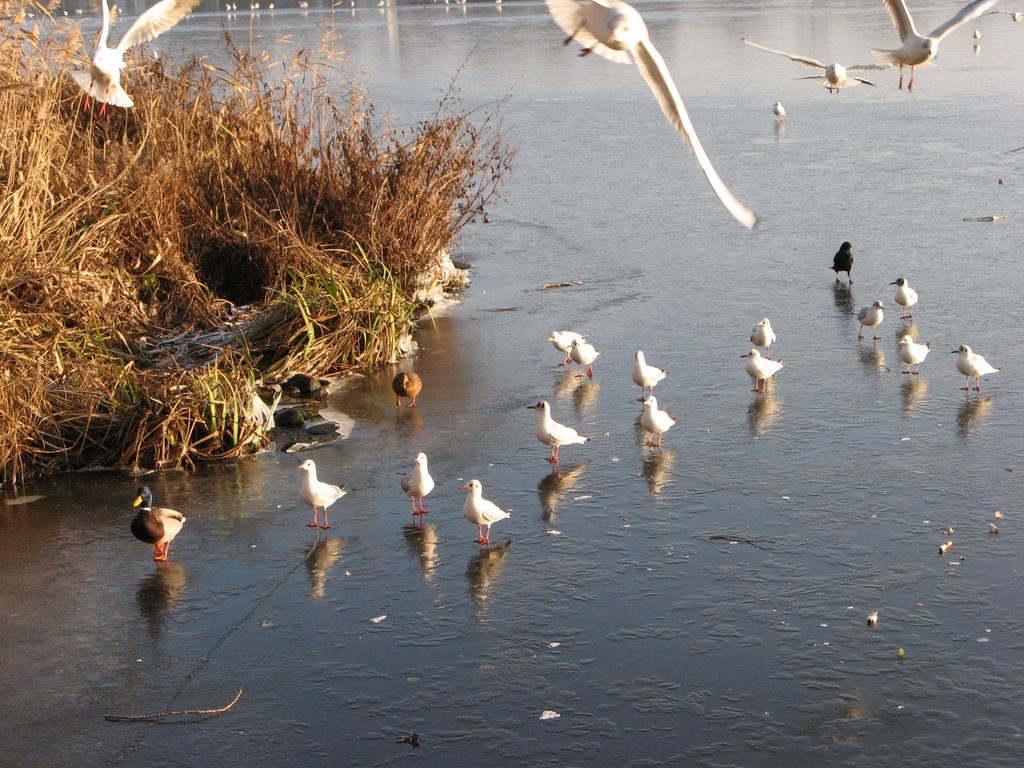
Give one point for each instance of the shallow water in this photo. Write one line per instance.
(708, 600)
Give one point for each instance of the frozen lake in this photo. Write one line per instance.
(703, 604)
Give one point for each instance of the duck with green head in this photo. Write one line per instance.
(155, 525)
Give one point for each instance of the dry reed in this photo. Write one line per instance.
(127, 237)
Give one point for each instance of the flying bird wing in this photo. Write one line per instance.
(654, 71)
(967, 13)
(868, 67)
(807, 61)
(157, 19)
(901, 18)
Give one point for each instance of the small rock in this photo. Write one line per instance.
(320, 427)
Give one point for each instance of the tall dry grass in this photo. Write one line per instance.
(124, 233)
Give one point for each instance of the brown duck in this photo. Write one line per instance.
(406, 385)
(155, 525)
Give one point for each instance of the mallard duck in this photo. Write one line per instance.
(155, 525)
(406, 385)
(318, 494)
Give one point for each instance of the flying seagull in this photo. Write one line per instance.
(835, 75)
(615, 30)
(918, 49)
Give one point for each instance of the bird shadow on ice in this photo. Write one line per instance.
(913, 391)
(320, 559)
(762, 413)
(657, 468)
(581, 391)
(972, 412)
(905, 329)
(842, 295)
(553, 487)
(158, 592)
(421, 539)
(483, 570)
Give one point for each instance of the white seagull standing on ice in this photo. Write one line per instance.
(102, 81)
(763, 335)
(779, 111)
(479, 511)
(906, 297)
(615, 30)
(760, 369)
(655, 421)
(835, 75)
(646, 376)
(913, 354)
(583, 354)
(918, 49)
(562, 340)
(418, 484)
(970, 363)
(872, 318)
(316, 493)
(550, 432)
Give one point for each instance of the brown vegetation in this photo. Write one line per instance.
(123, 233)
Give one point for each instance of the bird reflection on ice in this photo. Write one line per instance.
(657, 468)
(421, 538)
(971, 413)
(158, 592)
(762, 413)
(484, 569)
(554, 486)
(323, 555)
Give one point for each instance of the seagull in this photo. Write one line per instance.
(655, 420)
(102, 81)
(906, 297)
(760, 369)
(155, 525)
(871, 317)
(920, 49)
(480, 511)
(843, 261)
(779, 111)
(646, 376)
(763, 335)
(913, 354)
(835, 76)
(550, 432)
(970, 363)
(318, 494)
(615, 30)
(562, 340)
(418, 484)
(1014, 15)
(583, 354)
(406, 385)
